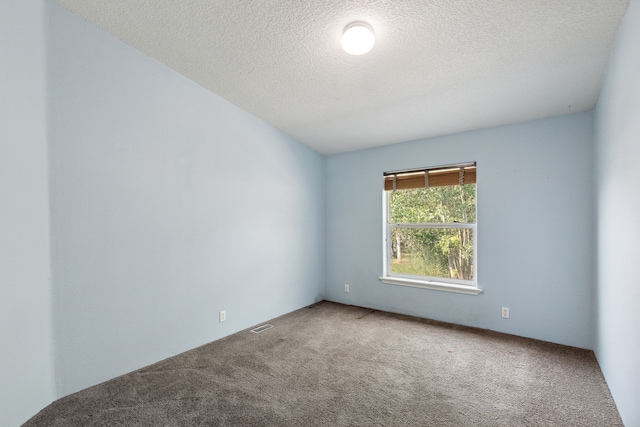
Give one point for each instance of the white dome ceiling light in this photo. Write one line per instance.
(358, 38)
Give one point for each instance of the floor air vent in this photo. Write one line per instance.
(261, 328)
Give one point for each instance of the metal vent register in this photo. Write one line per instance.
(261, 328)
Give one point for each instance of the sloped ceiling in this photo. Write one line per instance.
(437, 67)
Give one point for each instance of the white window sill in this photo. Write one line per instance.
(437, 286)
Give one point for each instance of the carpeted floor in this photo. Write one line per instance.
(336, 365)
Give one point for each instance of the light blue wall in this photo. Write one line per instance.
(168, 205)
(26, 357)
(617, 154)
(535, 228)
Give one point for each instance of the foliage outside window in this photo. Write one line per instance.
(430, 230)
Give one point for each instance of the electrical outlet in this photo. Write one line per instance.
(346, 288)
(505, 312)
(222, 316)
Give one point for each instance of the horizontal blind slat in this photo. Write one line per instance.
(408, 180)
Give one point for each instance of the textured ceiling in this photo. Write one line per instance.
(438, 66)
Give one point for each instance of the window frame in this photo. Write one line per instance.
(469, 287)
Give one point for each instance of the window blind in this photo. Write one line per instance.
(458, 174)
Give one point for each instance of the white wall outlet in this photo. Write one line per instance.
(505, 312)
(222, 316)
(346, 288)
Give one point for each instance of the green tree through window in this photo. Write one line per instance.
(430, 232)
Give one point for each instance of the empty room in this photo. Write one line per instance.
(231, 213)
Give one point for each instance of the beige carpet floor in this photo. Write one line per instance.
(336, 365)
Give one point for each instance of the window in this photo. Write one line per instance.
(430, 228)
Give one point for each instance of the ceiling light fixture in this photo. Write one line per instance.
(358, 38)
